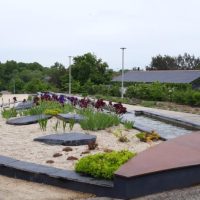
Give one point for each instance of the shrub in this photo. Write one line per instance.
(148, 137)
(103, 165)
(178, 93)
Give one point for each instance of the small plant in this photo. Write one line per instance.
(54, 112)
(119, 108)
(120, 135)
(100, 104)
(71, 124)
(148, 137)
(92, 145)
(56, 125)
(103, 165)
(64, 123)
(43, 124)
(128, 124)
(9, 113)
(30, 98)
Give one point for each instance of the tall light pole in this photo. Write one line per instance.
(14, 86)
(122, 88)
(70, 76)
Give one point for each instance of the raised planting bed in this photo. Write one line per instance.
(54, 176)
(171, 165)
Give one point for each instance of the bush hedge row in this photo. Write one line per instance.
(163, 92)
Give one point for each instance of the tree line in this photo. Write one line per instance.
(166, 62)
(87, 70)
(32, 77)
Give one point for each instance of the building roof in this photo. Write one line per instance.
(163, 76)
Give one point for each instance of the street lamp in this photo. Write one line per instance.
(70, 76)
(122, 88)
(14, 86)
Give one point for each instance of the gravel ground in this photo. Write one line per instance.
(15, 189)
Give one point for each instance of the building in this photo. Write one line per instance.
(163, 76)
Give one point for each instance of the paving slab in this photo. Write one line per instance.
(68, 117)
(24, 105)
(67, 139)
(27, 119)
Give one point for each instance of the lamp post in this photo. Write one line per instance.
(14, 86)
(70, 76)
(122, 88)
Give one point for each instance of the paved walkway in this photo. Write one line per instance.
(15, 189)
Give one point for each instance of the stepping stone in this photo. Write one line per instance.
(27, 119)
(67, 139)
(67, 117)
(25, 105)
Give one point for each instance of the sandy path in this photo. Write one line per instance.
(15, 189)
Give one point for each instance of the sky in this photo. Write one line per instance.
(48, 31)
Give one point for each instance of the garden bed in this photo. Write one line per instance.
(18, 141)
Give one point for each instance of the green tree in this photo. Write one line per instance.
(89, 68)
(185, 62)
(36, 85)
(57, 73)
(163, 63)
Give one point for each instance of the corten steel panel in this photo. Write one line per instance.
(180, 152)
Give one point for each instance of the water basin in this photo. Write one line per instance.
(166, 130)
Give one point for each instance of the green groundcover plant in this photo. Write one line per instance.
(103, 165)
